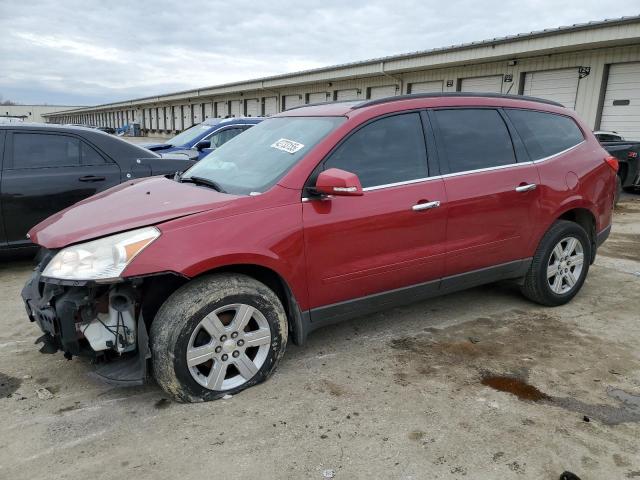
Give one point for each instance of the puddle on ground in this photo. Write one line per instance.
(627, 410)
(8, 385)
(516, 386)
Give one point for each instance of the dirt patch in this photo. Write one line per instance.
(8, 385)
(332, 388)
(625, 246)
(514, 343)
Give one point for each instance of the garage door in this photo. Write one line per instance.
(221, 109)
(621, 108)
(168, 117)
(426, 87)
(491, 84)
(161, 118)
(349, 94)
(236, 108)
(197, 113)
(291, 101)
(208, 110)
(252, 107)
(558, 85)
(187, 116)
(177, 117)
(318, 97)
(381, 92)
(153, 119)
(270, 106)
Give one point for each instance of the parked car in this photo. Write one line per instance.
(46, 168)
(628, 154)
(314, 216)
(206, 136)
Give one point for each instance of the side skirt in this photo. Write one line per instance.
(338, 312)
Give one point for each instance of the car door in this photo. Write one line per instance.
(45, 172)
(491, 189)
(388, 238)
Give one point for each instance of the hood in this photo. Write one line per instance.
(124, 207)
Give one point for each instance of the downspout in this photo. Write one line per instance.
(396, 79)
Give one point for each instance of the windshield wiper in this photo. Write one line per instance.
(202, 181)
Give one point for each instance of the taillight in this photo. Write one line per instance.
(612, 162)
(632, 154)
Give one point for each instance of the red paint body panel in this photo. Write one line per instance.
(363, 245)
(124, 207)
(341, 248)
(489, 223)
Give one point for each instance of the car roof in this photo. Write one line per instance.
(232, 120)
(110, 144)
(416, 101)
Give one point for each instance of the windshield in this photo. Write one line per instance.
(257, 159)
(188, 135)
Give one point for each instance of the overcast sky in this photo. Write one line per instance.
(83, 52)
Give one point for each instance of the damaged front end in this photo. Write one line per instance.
(103, 322)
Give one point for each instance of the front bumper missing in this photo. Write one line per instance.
(59, 309)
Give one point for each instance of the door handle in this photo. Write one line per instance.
(425, 206)
(526, 188)
(91, 178)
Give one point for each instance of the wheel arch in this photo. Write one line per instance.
(278, 284)
(586, 219)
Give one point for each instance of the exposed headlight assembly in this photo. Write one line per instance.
(102, 259)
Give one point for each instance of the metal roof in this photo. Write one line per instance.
(419, 53)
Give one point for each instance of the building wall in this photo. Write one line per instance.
(401, 73)
(32, 113)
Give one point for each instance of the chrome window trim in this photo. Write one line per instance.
(540, 160)
(466, 172)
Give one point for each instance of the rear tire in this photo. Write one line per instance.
(217, 335)
(560, 265)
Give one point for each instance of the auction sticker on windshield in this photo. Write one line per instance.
(288, 146)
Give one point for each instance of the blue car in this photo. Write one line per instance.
(199, 140)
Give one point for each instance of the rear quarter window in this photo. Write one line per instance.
(545, 134)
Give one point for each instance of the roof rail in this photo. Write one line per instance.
(455, 94)
(330, 102)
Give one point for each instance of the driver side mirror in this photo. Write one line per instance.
(202, 144)
(334, 181)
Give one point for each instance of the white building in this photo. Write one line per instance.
(31, 113)
(593, 68)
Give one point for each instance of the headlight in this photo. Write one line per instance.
(102, 259)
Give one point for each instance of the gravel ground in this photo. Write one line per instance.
(480, 384)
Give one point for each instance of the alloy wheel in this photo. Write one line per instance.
(565, 265)
(228, 347)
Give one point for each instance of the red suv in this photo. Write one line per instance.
(316, 215)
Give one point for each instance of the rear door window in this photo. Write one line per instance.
(545, 134)
(473, 139)
(90, 155)
(388, 150)
(37, 150)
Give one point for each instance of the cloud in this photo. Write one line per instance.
(88, 52)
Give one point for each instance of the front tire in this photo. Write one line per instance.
(560, 265)
(217, 335)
